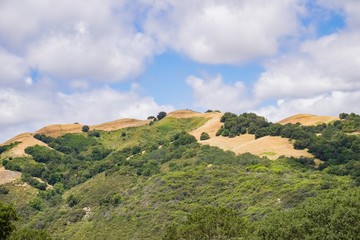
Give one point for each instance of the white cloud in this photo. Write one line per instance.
(228, 32)
(23, 111)
(12, 68)
(349, 8)
(110, 59)
(326, 64)
(322, 77)
(215, 94)
(92, 40)
(329, 104)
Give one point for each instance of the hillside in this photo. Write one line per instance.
(276, 146)
(308, 119)
(133, 179)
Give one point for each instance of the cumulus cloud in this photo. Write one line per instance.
(79, 56)
(92, 40)
(348, 8)
(327, 64)
(12, 68)
(215, 94)
(23, 111)
(228, 31)
(329, 104)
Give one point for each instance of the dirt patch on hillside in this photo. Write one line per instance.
(210, 127)
(7, 176)
(308, 119)
(271, 147)
(26, 140)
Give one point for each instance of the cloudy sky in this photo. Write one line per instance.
(92, 61)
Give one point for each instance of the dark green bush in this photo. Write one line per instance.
(85, 128)
(204, 136)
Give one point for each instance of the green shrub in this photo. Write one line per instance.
(3, 190)
(161, 115)
(36, 203)
(72, 200)
(30, 234)
(204, 136)
(209, 223)
(85, 128)
(7, 216)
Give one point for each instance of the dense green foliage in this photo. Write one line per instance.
(204, 136)
(235, 125)
(7, 217)
(158, 182)
(330, 143)
(30, 234)
(210, 223)
(5, 148)
(332, 215)
(161, 115)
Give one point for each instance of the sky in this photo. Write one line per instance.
(94, 61)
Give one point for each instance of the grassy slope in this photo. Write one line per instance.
(148, 205)
(204, 175)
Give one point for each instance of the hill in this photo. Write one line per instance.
(133, 179)
(308, 119)
(248, 144)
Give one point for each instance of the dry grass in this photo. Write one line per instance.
(184, 113)
(7, 176)
(308, 119)
(210, 127)
(57, 130)
(277, 146)
(26, 140)
(121, 123)
(244, 143)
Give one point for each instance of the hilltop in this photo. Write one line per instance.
(159, 178)
(308, 119)
(246, 143)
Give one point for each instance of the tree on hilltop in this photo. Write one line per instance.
(161, 115)
(85, 128)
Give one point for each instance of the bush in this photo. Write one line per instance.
(7, 215)
(36, 203)
(3, 190)
(204, 136)
(94, 133)
(161, 115)
(85, 128)
(72, 200)
(209, 223)
(30, 234)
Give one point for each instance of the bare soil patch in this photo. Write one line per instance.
(7, 176)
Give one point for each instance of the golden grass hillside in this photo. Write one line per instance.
(308, 119)
(271, 147)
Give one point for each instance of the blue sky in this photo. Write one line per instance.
(100, 60)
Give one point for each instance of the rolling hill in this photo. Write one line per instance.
(240, 144)
(147, 179)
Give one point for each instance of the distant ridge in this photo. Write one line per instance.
(244, 143)
(308, 119)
